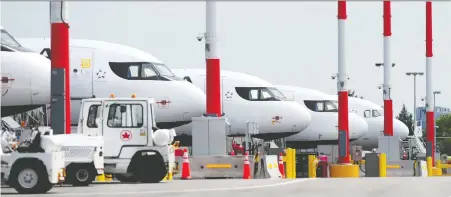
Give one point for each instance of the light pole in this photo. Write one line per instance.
(414, 74)
(435, 121)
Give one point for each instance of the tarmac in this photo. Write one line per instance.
(346, 187)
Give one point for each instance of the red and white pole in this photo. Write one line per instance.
(213, 88)
(388, 103)
(343, 121)
(60, 49)
(429, 92)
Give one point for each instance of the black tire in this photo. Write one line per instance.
(34, 173)
(126, 178)
(152, 169)
(80, 174)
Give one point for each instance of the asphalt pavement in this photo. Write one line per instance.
(359, 187)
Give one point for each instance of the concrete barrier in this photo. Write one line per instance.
(272, 167)
(401, 168)
(203, 167)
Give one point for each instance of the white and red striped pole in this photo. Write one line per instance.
(213, 86)
(429, 92)
(388, 103)
(343, 121)
(60, 50)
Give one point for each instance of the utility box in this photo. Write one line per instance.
(210, 136)
(356, 152)
(371, 165)
(390, 145)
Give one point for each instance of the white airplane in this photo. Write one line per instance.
(25, 82)
(323, 129)
(248, 98)
(374, 116)
(99, 69)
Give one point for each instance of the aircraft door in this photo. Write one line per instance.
(91, 114)
(124, 125)
(81, 72)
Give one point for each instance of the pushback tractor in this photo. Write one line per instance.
(34, 165)
(134, 149)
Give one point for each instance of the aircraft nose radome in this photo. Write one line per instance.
(400, 129)
(194, 99)
(358, 127)
(301, 116)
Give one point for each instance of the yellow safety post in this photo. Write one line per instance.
(429, 165)
(293, 155)
(289, 162)
(437, 171)
(312, 161)
(108, 177)
(382, 165)
(100, 178)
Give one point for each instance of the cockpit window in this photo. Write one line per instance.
(8, 40)
(136, 71)
(376, 113)
(367, 114)
(259, 94)
(133, 71)
(278, 94)
(163, 70)
(148, 71)
(321, 105)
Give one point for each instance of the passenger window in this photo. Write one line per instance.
(94, 112)
(147, 71)
(367, 114)
(125, 116)
(133, 71)
(376, 113)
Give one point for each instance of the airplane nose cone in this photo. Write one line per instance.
(358, 127)
(400, 129)
(194, 99)
(303, 117)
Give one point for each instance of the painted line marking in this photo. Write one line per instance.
(179, 191)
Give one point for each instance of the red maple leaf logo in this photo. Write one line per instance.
(126, 135)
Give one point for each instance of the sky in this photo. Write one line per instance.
(289, 43)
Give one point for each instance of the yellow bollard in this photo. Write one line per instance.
(293, 156)
(108, 177)
(382, 165)
(100, 178)
(289, 162)
(437, 170)
(429, 165)
(312, 166)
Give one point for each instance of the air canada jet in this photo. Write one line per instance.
(323, 129)
(99, 69)
(248, 98)
(374, 116)
(25, 81)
